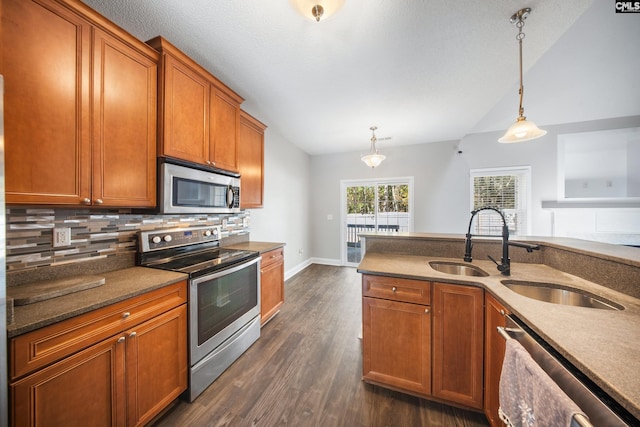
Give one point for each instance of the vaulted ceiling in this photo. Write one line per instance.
(421, 70)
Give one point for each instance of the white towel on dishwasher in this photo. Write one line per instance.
(528, 396)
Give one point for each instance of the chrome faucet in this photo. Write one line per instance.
(505, 262)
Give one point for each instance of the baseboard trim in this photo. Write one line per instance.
(298, 268)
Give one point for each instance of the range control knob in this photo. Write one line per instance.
(215, 232)
(156, 239)
(168, 238)
(207, 233)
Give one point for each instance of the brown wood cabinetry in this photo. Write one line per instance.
(251, 161)
(458, 344)
(396, 336)
(271, 284)
(118, 365)
(198, 116)
(80, 108)
(494, 349)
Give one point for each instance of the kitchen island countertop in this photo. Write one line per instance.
(603, 344)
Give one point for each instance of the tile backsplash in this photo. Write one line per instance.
(94, 235)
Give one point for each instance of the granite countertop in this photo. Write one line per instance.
(261, 247)
(603, 344)
(119, 285)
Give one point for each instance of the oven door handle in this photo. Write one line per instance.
(226, 271)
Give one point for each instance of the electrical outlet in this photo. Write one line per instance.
(61, 237)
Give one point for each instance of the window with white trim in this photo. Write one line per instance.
(507, 189)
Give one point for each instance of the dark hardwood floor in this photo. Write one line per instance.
(306, 370)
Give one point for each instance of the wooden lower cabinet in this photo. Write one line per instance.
(458, 344)
(396, 341)
(271, 284)
(84, 389)
(125, 379)
(156, 365)
(494, 349)
(396, 334)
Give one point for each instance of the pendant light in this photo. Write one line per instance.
(522, 129)
(374, 158)
(317, 10)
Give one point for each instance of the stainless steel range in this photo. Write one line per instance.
(224, 296)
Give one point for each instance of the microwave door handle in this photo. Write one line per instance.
(229, 196)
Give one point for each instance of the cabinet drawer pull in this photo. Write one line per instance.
(86, 201)
(121, 339)
(426, 310)
(133, 334)
(126, 314)
(99, 201)
(394, 289)
(502, 312)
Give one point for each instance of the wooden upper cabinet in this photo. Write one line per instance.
(76, 132)
(46, 63)
(223, 134)
(124, 139)
(251, 161)
(184, 111)
(199, 115)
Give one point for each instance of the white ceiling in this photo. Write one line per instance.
(422, 71)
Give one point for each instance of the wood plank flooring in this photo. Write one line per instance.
(306, 370)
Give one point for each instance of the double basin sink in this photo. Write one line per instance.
(546, 292)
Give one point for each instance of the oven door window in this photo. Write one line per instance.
(189, 192)
(224, 299)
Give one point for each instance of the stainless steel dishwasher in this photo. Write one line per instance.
(601, 409)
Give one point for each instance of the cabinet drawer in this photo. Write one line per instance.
(51, 343)
(393, 288)
(271, 257)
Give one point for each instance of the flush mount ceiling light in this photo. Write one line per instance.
(317, 9)
(374, 158)
(522, 129)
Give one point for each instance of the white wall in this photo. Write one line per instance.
(441, 188)
(285, 215)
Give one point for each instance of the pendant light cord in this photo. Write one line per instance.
(519, 37)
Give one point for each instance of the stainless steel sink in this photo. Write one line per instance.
(555, 294)
(458, 269)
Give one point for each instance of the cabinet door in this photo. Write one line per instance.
(493, 356)
(185, 118)
(458, 344)
(124, 130)
(85, 389)
(271, 285)
(156, 364)
(223, 133)
(251, 161)
(396, 343)
(46, 51)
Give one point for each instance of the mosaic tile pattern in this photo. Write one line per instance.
(94, 235)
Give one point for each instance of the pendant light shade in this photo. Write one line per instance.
(317, 10)
(522, 130)
(374, 158)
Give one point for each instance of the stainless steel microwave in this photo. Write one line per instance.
(187, 189)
